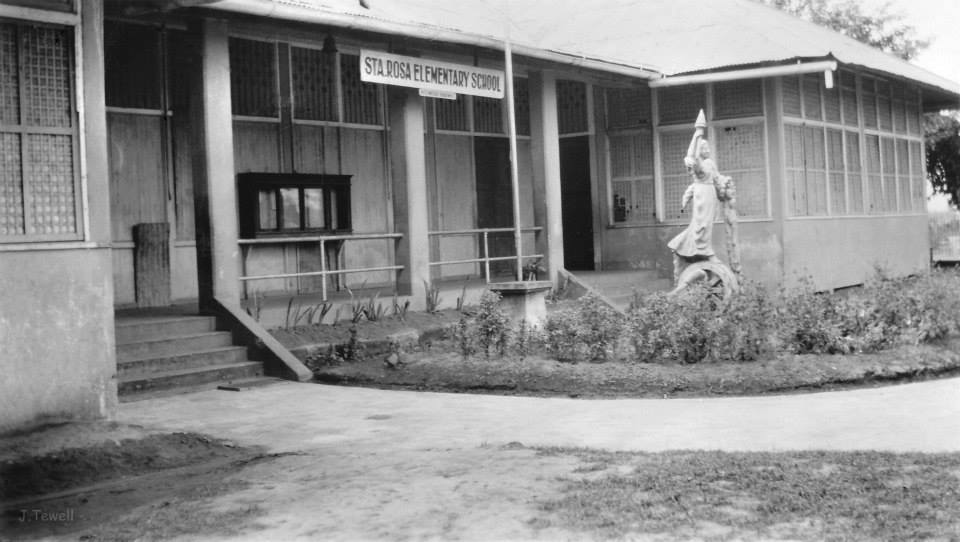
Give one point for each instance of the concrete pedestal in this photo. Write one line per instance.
(524, 300)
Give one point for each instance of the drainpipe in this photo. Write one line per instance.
(826, 66)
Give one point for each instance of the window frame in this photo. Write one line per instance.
(71, 25)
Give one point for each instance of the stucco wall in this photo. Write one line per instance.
(56, 329)
(838, 252)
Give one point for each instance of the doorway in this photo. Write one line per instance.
(495, 199)
(576, 204)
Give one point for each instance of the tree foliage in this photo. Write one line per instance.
(882, 29)
(942, 134)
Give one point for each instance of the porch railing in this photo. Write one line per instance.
(317, 240)
(484, 234)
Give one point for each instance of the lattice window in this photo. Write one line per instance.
(253, 78)
(874, 177)
(314, 77)
(868, 105)
(740, 152)
(848, 91)
(791, 96)
(736, 99)
(888, 155)
(572, 107)
(488, 115)
(904, 196)
(811, 96)
(835, 171)
(806, 170)
(831, 104)
(884, 111)
(673, 148)
(628, 107)
(133, 66)
(452, 114)
(854, 172)
(521, 105)
(680, 104)
(913, 114)
(899, 109)
(38, 181)
(631, 171)
(361, 101)
(796, 181)
(917, 175)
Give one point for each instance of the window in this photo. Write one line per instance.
(452, 114)
(481, 115)
(253, 78)
(631, 177)
(806, 170)
(314, 84)
(292, 204)
(39, 193)
(572, 107)
(740, 152)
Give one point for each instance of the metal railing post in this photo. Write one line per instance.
(323, 270)
(486, 258)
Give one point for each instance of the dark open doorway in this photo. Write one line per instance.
(576, 204)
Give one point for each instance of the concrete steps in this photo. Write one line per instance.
(176, 352)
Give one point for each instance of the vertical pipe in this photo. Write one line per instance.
(514, 173)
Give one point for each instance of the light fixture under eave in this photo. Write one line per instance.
(329, 45)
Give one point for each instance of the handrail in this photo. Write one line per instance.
(321, 240)
(485, 232)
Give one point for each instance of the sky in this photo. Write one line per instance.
(938, 20)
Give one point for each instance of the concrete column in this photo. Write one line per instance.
(545, 151)
(410, 209)
(97, 171)
(215, 194)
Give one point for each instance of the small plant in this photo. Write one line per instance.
(589, 330)
(373, 310)
(306, 315)
(255, 306)
(493, 326)
(432, 297)
(462, 299)
(356, 308)
(336, 315)
(464, 338)
(400, 309)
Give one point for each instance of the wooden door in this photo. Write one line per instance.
(576, 204)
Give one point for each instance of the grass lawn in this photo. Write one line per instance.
(758, 496)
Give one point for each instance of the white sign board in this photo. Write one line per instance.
(430, 75)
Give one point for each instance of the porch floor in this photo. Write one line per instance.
(619, 286)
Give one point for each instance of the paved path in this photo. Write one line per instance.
(290, 416)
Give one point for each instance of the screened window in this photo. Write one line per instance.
(673, 147)
(361, 101)
(488, 115)
(452, 114)
(314, 84)
(854, 172)
(680, 104)
(736, 99)
(628, 108)
(740, 152)
(253, 78)
(848, 94)
(874, 177)
(521, 105)
(572, 107)
(38, 179)
(631, 175)
(806, 170)
(836, 172)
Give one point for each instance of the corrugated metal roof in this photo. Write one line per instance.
(672, 36)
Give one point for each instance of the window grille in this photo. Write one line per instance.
(811, 96)
(741, 153)
(918, 175)
(838, 189)
(314, 84)
(631, 171)
(831, 104)
(791, 96)
(38, 181)
(848, 91)
(887, 150)
(680, 104)
(452, 114)
(673, 147)
(133, 69)
(734, 99)
(854, 172)
(488, 115)
(361, 101)
(572, 107)
(253, 78)
(869, 103)
(899, 109)
(628, 107)
(521, 105)
(884, 112)
(873, 167)
(905, 194)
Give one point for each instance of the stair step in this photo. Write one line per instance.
(140, 382)
(131, 330)
(171, 346)
(184, 360)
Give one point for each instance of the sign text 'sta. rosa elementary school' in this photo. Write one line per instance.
(422, 73)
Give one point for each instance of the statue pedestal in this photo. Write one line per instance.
(524, 300)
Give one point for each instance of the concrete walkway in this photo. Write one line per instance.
(290, 416)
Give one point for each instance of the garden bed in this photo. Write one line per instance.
(889, 331)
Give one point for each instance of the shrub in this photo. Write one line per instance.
(746, 326)
(811, 322)
(589, 329)
(493, 326)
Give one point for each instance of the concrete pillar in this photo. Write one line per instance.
(215, 194)
(545, 151)
(410, 209)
